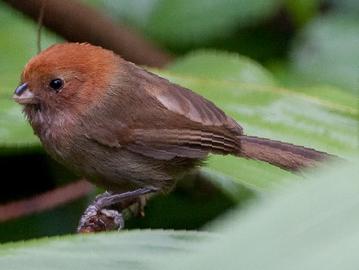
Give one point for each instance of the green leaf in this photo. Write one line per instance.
(347, 7)
(118, 250)
(137, 12)
(308, 225)
(302, 11)
(323, 118)
(184, 22)
(328, 52)
(223, 66)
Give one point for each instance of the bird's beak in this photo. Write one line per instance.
(23, 95)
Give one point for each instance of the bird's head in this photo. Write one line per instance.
(69, 76)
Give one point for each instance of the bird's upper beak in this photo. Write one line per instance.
(23, 95)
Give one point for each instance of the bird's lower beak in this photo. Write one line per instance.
(23, 95)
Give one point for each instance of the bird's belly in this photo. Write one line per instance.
(114, 168)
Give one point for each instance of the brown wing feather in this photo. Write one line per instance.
(186, 124)
(171, 143)
(180, 100)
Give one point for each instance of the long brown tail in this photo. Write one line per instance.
(284, 155)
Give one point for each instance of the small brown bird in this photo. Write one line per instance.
(129, 130)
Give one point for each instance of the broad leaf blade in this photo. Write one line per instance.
(218, 65)
(327, 51)
(118, 250)
(307, 225)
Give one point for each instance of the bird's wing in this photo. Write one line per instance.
(183, 124)
(170, 143)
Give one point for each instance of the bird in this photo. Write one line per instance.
(131, 131)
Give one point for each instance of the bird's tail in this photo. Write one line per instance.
(284, 155)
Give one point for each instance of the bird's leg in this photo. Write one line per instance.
(97, 216)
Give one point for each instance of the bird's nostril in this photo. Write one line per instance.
(21, 89)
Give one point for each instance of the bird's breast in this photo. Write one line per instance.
(54, 132)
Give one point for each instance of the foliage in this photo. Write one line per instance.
(306, 225)
(17, 45)
(226, 51)
(161, 18)
(327, 51)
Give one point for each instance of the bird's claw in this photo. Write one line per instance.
(95, 220)
(100, 217)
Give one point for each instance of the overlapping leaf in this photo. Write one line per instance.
(307, 225)
(327, 51)
(126, 250)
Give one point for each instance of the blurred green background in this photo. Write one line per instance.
(284, 69)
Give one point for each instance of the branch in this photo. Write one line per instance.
(45, 201)
(79, 23)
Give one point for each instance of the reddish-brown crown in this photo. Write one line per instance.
(83, 57)
(83, 67)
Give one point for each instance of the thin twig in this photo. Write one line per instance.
(39, 27)
(45, 201)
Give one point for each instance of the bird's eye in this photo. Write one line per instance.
(56, 84)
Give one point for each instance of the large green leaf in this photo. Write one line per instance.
(219, 65)
(307, 225)
(124, 250)
(184, 22)
(347, 6)
(328, 52)
(302, 11)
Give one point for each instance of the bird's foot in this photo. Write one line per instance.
(98, 217)
(94, 220)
